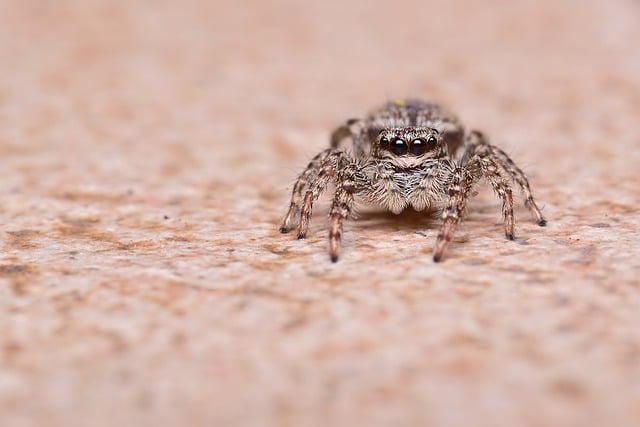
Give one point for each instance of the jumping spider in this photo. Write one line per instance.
(408, 153)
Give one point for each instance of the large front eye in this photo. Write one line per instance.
(399, 147)
(418, 146)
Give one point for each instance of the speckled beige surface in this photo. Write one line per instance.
(147, 150)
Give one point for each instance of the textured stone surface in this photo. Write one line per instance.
(147, 151)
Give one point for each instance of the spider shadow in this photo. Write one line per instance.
(408, 220)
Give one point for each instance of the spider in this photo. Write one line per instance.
(408, 153)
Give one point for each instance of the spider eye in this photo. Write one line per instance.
(384, 142)
(399, 147)
(432, 140)
(418, 146)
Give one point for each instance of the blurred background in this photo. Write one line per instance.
(101, 76)
(147, 149)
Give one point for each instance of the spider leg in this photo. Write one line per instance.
(459, 189)
(302, 183)
(351, 179)
(463, 179)
(341, 209)
(477, 143)
(315, 189)
(313, 182)
(491, 172)
(300, 203)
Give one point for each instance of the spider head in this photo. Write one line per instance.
(408, 141)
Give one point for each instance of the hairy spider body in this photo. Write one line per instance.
(408, 153)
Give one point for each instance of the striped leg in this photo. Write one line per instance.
(492, 173)
(462, 183)
(454, 208)
(478, 144)
(312, 183)
(341, 209)
(300, 187)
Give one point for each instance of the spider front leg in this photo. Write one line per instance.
(459, 189)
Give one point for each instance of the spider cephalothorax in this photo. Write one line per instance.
(408, 153)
